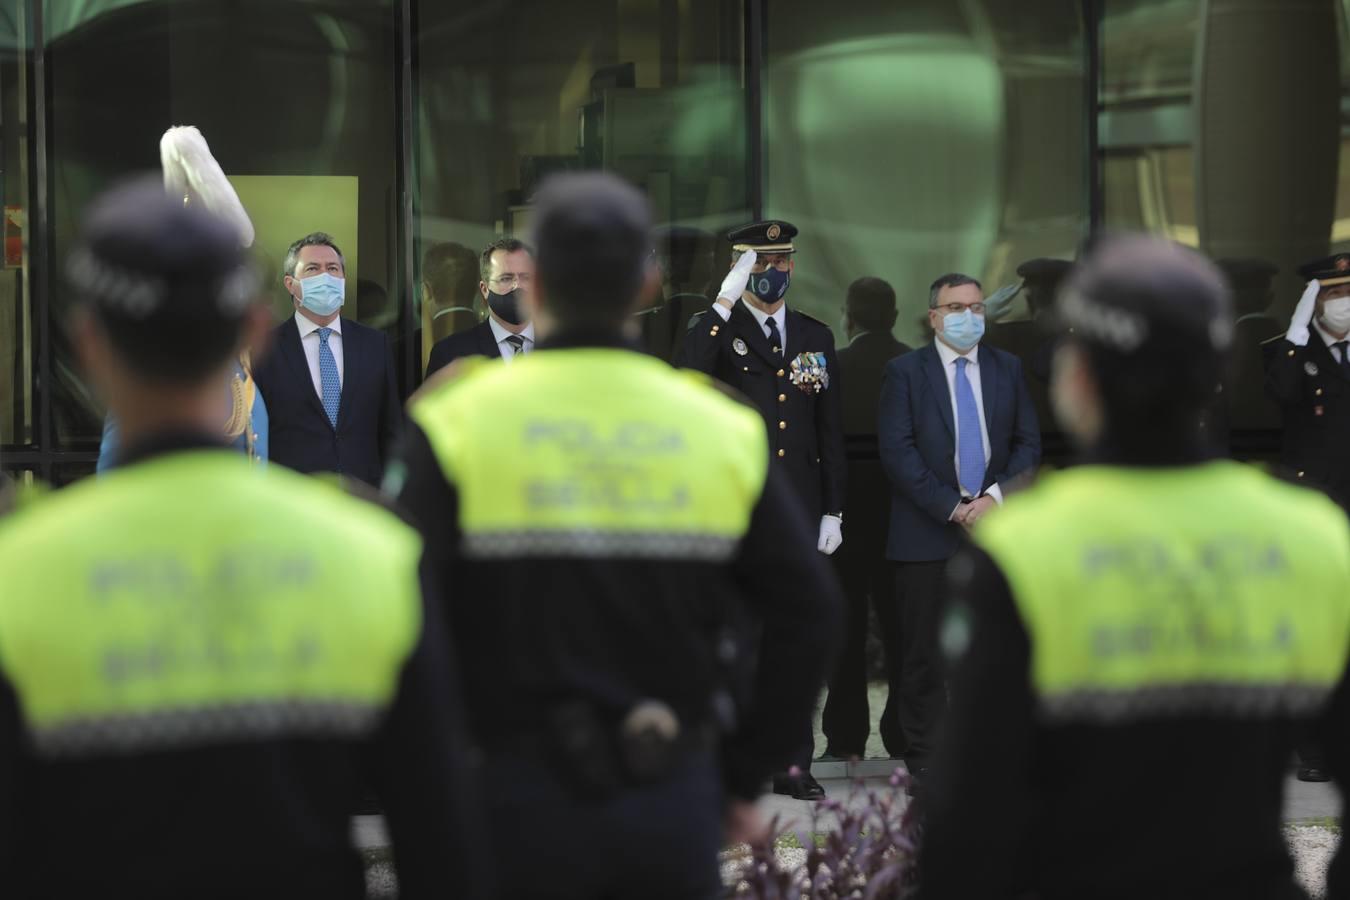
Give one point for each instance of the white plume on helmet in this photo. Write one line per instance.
(191, 172)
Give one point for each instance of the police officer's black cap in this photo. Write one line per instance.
(592, 238)
(1157, 320)
(1044, 270)
(1329, 270)
(1138, 295)
(1245, 273)
(168, 281)
(770, 236)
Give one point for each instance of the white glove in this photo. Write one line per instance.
(831, 534)
(996, 304)
(1303, 313)
(734, 284)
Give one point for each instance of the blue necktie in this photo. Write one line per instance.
(970, 444)
(328, 377)
(775, 336)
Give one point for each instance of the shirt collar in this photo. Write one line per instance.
(949, 356)
(761, 317)
(500, 334)
(307, 327)
(1326, 338)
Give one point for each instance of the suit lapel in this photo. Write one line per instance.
(294, 352)
(748, 326)
(352, 348)
(487, 341)
(937, 386)
(796, 334)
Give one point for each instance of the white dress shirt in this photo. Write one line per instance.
(949, 358)
(501, 334)
(309, 339)
(1335, 351)
(761, 317)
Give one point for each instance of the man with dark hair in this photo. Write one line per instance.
(192, 649)
(956, 430)
(603, 540)
(329, 382)
(506, 277)
(1135, 642)
(869, 316)
(784, 362)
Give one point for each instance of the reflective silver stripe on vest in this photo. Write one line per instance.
(1103, 706)
(201, 726)
(668, 545)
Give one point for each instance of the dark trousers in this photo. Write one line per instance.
(846, 721)
(919, 598)
(654, 842)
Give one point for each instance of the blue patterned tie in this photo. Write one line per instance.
(328, 377)
(970, 443)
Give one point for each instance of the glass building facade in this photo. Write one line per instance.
(904, 140)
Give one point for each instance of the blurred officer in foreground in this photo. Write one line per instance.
(1136, 642)
(600, 553)
(188, 708)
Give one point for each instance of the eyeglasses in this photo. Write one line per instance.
(958, 308)
(511, 279)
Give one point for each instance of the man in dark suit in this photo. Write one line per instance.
(329, 382)
(506, 273)
(869, 316)
(784, 362)
(957, 430)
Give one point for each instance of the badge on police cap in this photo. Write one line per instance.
(1311, 368)
(739, 346)
(773, 232)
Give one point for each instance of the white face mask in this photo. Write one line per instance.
(1336, 315)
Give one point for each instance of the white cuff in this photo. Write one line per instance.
(996, 492)
(722, 311)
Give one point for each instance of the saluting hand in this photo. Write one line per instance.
(734, 284)
(1298, 325)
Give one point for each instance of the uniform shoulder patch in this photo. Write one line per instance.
(695, 319)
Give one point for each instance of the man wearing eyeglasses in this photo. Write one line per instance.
(784, 362)
(957, 429)
(506, 268)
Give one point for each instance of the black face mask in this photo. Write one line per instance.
(506, 306)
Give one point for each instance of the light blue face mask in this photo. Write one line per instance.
(322, 294)
(962, 330)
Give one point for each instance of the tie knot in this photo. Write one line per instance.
(1342, 345)
(515, 340)
(961, 362)
(324, 333)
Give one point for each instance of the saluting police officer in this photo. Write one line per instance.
(784, 361)
(201, 660)
(1308, 376)
(1135, 642)
(601, 540)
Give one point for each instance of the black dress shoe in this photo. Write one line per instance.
(798, 787)
(1312, 773)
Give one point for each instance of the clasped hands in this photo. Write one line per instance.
(967, 514)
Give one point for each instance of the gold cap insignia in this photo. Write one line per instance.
(773, 232)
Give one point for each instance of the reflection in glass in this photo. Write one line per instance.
(649, 90)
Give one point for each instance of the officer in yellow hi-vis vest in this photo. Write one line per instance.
(603, 521)
(1136, 643)
(190, 707)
